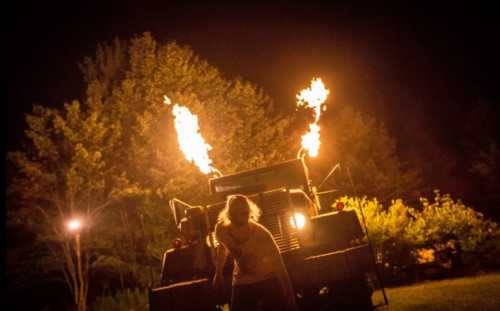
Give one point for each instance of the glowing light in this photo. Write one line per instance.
(191, 143)
(340, 206)
(74, 224)
(177, 243)
(298, 221)
(166, 100)
(314, 98)
(311, 140)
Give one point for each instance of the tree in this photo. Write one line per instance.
(367, 155)
(91, 157)
(486, 166)
(236, 117)
(481, 143)
(65, 173)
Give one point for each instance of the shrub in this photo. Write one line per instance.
(128, 299)
(445, 219)
(459, 235)
(443, 232)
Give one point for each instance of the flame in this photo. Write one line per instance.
(191, 142)
(314, 98)
(311, 140)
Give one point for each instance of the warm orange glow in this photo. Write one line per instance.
(74, 225)
(314, 98)
(298, 221)
(191, 142)
(311, 140)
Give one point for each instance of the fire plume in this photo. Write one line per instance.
(314, 98)
(191, 142)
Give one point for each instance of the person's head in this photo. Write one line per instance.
(239, 210)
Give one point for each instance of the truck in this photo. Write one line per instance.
(325, 250)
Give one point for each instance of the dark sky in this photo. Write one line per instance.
(412, 67)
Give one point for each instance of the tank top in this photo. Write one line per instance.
(253, 258)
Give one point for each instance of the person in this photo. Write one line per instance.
(260, 280)
(191, 233)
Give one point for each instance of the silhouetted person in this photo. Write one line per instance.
(260, 280)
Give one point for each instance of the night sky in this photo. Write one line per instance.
(417, 68)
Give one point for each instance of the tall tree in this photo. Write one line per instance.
(86, 159)
(481, 142)
(236, 117)
(367, 155)
(66, 173)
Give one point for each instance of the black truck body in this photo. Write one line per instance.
(325, 251)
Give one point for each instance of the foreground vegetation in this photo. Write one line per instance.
(439, 237)
(480, 292)
(470, 293)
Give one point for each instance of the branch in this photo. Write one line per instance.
(68, 281)
(95, 211)
(86, 275)
(70, 266)
(44, 213)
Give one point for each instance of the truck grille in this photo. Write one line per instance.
(283, 233)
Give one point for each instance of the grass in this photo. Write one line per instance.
(470, 293)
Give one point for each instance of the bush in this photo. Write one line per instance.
(459, 235)
(385, 228)
(124, 300)
(444, 233)
(448, 220)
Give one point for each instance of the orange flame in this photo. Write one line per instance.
(314, 98)
(191, 142)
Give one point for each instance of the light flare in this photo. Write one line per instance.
(313, 98)
(298, 221)
(74, 225)
(191, 142)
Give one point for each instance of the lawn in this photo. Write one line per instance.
(470, 293)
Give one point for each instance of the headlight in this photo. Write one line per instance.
(298, 221)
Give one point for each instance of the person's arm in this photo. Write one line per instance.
(230, 246)
(220, 258)
(280, 270)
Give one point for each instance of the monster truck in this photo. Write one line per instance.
(325, 250)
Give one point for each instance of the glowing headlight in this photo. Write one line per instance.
(298, 221)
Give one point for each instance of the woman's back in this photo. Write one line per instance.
(252, 249)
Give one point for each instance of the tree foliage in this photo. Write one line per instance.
(236, 117)
(127, 299)
(481, 144)
(65, 174)
(113, 159)
(402, 234)
(368, 157)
